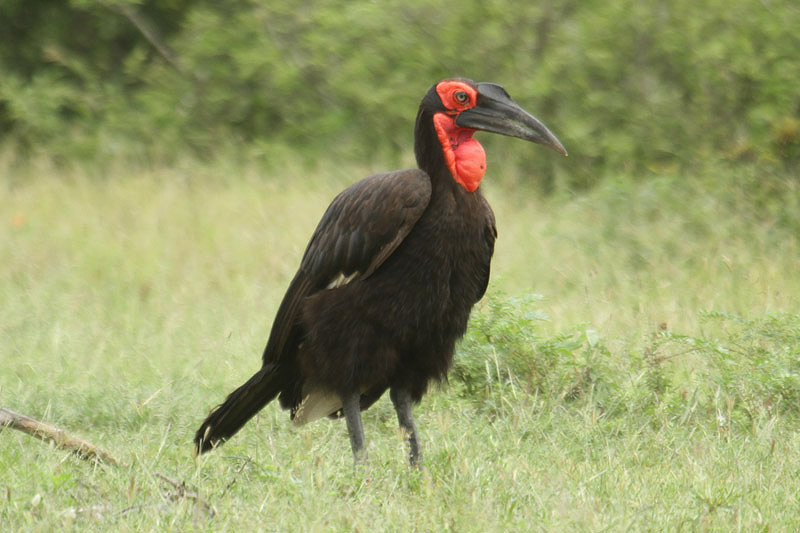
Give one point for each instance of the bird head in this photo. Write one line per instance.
(458, 108)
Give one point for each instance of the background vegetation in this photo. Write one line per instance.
(634, 86)
(634, 366)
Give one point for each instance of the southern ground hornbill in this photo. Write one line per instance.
(386, 285)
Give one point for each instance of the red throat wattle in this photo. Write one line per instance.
(464, 155)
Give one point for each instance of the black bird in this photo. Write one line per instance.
(387, 282)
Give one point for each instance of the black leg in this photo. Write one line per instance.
(351, 405)
(401, 399)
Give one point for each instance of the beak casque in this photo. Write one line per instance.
(496, 112)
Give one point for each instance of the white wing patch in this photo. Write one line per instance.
(342, 279)
(316, 405)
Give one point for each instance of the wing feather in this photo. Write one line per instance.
(361, 228)
(365, 223)
(489, 235)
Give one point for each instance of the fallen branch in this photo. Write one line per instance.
(59, 437)
(87, 450)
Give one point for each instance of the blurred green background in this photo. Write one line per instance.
(633, 87)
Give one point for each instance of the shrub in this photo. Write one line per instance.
(636, 87)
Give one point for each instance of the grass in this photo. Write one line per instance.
(654, 386)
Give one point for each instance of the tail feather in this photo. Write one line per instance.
(240, 406)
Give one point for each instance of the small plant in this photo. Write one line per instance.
(504, 353)
(753, 364)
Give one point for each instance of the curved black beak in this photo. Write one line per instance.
(498, 113)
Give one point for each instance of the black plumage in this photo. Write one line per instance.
(387, 282)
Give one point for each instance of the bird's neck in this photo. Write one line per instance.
(448, 152)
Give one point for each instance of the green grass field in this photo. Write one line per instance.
(636, 365)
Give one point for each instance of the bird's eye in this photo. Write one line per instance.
(461, 97)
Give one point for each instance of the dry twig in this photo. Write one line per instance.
(59, 437)
(181, 491)
(87, 450)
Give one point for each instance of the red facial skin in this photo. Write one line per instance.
(464, 155)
